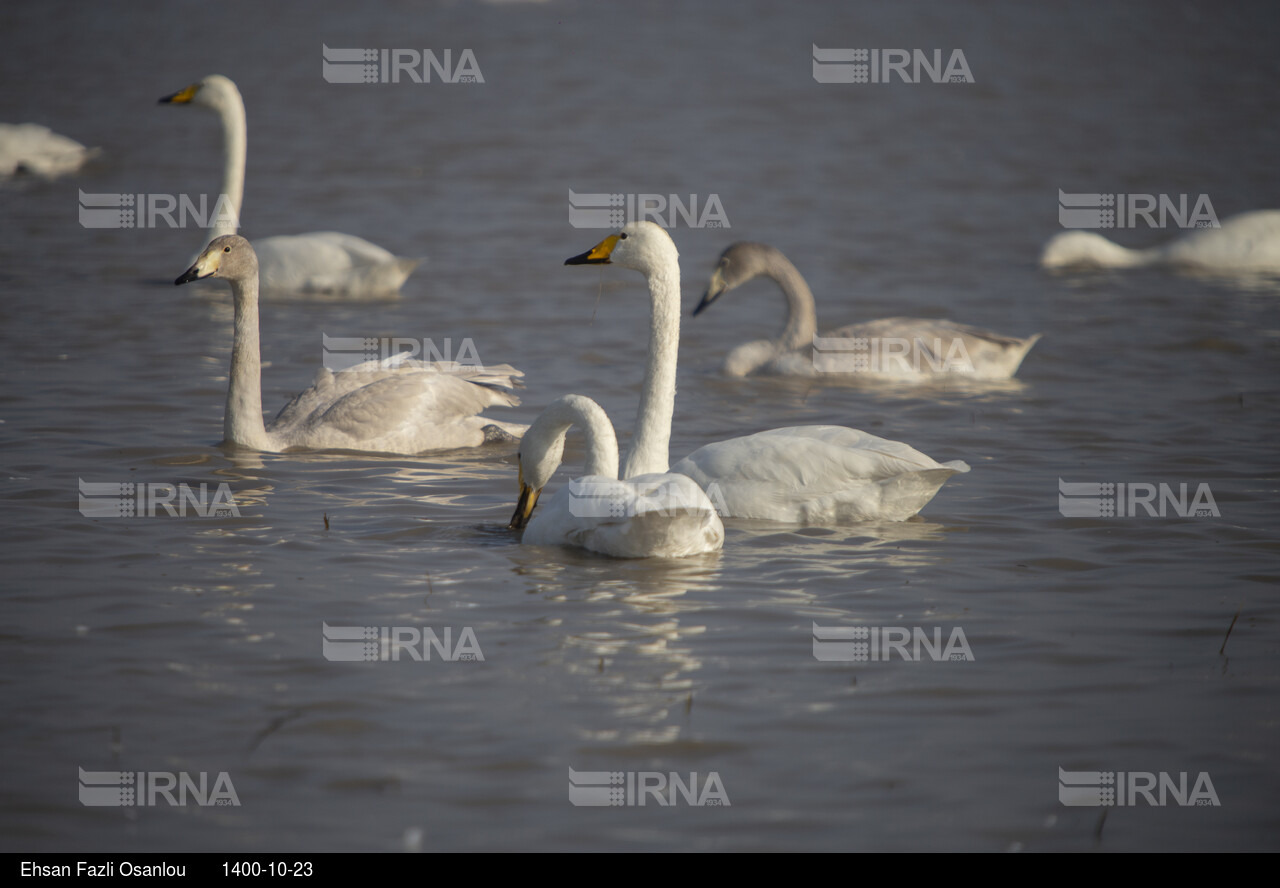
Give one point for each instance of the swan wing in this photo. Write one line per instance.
(36, 150)
(397, 407)
(922, 348)
(817, 475)
(329, 262)
(657, 515)
(1248, 242)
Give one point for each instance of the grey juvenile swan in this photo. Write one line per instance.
(908, 349)
(391, 406)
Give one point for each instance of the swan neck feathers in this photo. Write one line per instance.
(542, 447)
(650, 449)
(802, 315)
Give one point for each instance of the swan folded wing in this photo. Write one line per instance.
(1247, 242)
(400, 407)
(816, 475)
(329, 261)
(659, 515)
(37, 150)
(929, 345)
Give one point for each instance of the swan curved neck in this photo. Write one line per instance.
(802, 317)
(650, 449)
(543, 443)
(601, 442)
(242, 422)
(234, 149)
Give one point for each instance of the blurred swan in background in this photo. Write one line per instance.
(1247, 243)
(799, 475)
(325, 262)
(913, 349)
(391, 406)
(35, 150)
(653, 515)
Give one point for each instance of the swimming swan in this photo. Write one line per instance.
(324, 262)
(902, 348)
(1247, 243)
(660, 515)
(800, 475)
(32, 149)
(392, 406)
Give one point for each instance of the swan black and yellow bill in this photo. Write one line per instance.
(182, 97)
(206, 265)
(597, 255)
(524, 505)
(714, 289)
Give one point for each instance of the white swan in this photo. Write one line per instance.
(32, 149)
(800, 475)
(661, 515)
(1248, 243)
(376, 407)
(910, 349)
(324, 262)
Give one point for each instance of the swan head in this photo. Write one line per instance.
(644, 246)
(229, 256)
(1084, 248)
(215, 91)
(542, 448)
(738, 264)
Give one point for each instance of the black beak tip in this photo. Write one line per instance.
(585, 259)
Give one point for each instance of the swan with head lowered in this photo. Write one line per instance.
(1245, 244)
(905, 349)
(816, 475)
(653, 515)
(391, 406)
(321, 263)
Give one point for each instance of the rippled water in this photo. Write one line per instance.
(194, 644)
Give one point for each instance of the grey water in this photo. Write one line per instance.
(192, 645)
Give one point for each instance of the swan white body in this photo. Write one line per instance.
(656, 515)
(32, 149)
(321, 263)
(799, 475)
(817, 475)
(905, 349)
(392, 406)
(1247, 243)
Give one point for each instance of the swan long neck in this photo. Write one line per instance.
(802, 316)
(650, 449)
(234, 150)
(601, 441)
(242, 422)
(542, 448)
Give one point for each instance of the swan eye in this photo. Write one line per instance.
(226, 249)
(622, 236)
